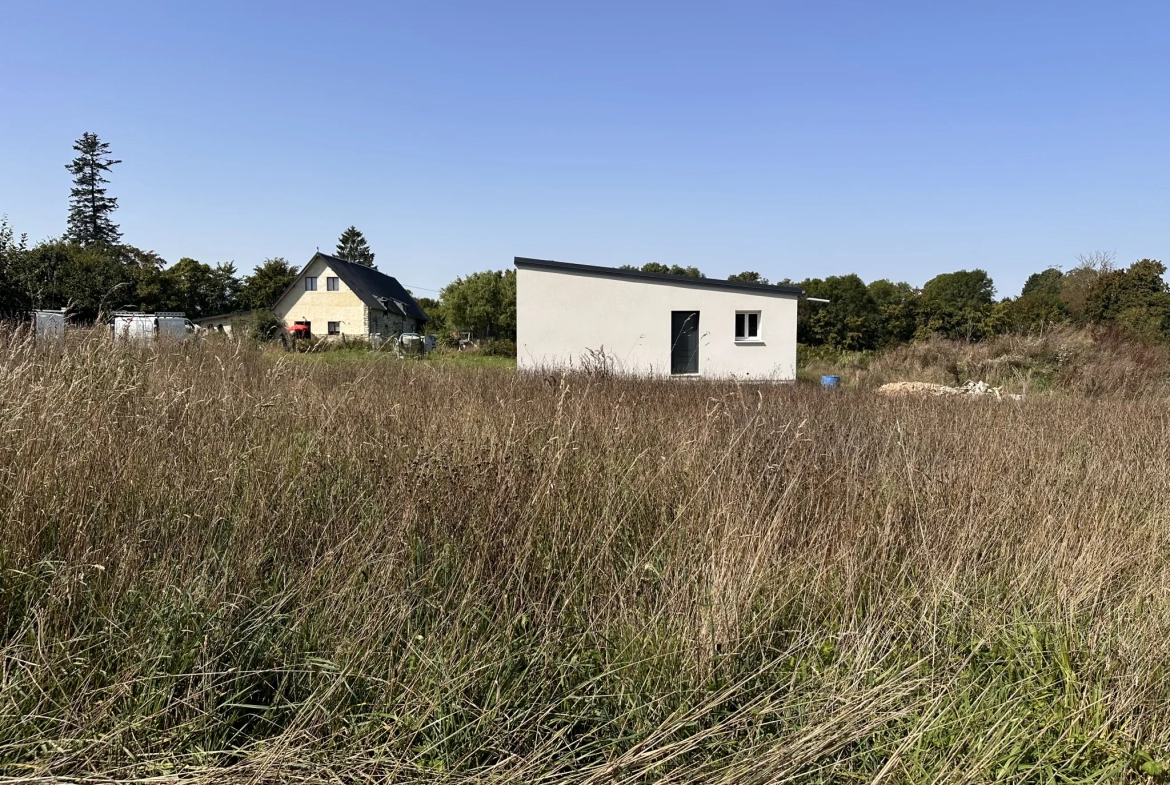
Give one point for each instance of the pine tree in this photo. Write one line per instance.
(352, 247)
(89, 207)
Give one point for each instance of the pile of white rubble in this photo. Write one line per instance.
(971, 388)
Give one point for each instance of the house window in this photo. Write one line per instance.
(331, 284)
(747, 325)
(310, 283)
(335, 327)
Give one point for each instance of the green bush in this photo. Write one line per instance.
(261, 325)
(497, 347)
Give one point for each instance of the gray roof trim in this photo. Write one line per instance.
(676, 280)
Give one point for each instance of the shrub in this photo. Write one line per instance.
(498, 347)
(260, 325)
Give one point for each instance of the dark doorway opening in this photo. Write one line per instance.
(684, 342)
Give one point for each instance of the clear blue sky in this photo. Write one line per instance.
(892, 139)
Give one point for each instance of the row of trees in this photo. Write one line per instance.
(90, 271)
(962, 305)
(99, 278)
(96, 279)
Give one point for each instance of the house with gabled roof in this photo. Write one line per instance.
(333, 297)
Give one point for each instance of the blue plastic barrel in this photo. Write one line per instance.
(830, 381)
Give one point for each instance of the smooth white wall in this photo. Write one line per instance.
(561, 315)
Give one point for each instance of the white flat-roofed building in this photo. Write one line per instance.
(653, 324)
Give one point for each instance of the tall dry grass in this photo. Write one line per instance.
(233, 565)
(1085, 362)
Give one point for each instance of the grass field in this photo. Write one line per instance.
(443, 358)
(238, 565)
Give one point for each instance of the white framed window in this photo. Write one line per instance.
(310, 283)
(747, 326)
(331, 284)
(335, 328)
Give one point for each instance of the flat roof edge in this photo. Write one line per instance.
(523, 262)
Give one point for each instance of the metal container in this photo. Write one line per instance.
(49, 324)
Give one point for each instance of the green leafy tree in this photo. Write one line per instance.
(226, 287)
(851, 320)
(1077, 282)
(1046, 283)
(663, 269)
(352, 247)
(506, 323)
(649, 267)
(148, 287)
(1136, 299)
(37, 273)
(437, 319)
(96, 282)
(748, 276)
(267, 282)
(958, 305)
(12, 251)
(1038, 305)
(898, 307)
(89, 281)
(90, 207)
(199, 289)
(483, 304)
(1032, 311)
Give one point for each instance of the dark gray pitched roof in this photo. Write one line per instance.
(677, 280)
(375, 289)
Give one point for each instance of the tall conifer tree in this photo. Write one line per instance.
(89, 206)
(352, 247)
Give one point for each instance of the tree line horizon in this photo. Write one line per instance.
(90, 271)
